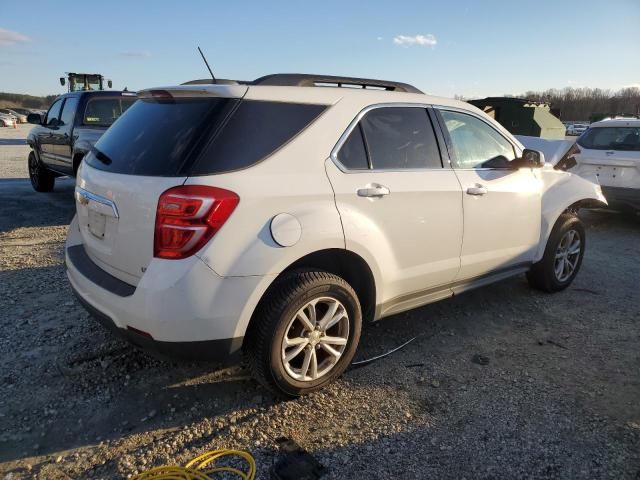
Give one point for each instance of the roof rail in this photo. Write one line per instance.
(217, 81)
(306, 80)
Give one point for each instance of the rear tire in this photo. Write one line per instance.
(562, 256)
(313, 313)
(42, 180)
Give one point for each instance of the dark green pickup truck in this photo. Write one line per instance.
(72, 125)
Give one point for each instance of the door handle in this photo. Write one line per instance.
(373, 190)
(477, 190)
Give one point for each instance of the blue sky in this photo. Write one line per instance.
(468, 47)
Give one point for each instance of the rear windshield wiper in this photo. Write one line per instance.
(101, 156)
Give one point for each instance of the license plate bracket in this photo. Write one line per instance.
(97, 224)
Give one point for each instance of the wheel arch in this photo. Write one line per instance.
(341, 262)
(550, 217)
(76, 158)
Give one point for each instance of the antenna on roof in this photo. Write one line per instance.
(207, 64)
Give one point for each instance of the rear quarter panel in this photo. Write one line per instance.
(292, 180)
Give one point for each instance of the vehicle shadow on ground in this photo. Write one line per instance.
(23, 207)
(137, 393)
(82, 365)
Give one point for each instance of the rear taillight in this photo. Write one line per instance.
(188, 216)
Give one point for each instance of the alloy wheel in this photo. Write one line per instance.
(567, 255)
(315, 339)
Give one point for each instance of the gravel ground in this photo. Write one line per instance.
(14, 151)
(501, 382)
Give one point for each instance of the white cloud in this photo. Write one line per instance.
(380, 38)
(8, 37)
(135, 54)
(406, 40)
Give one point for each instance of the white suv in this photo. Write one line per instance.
(609, 153)
(276, 216)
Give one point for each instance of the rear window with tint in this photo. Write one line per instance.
(103, 111)
(611, 138)
(184, 136)
(254, 131)
(158, 137)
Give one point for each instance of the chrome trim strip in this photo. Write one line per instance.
(343, 138)
(84, 197)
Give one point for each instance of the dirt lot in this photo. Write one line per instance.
(558, 398)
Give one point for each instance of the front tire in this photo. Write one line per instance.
(42, 180)
(562, 256)
(305, 333)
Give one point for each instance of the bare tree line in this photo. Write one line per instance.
(589, 103)
(586, 104)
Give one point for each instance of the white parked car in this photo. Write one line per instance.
(10, 113)
(7, 120)
(275, 217)
(610, 155)
(577, 129)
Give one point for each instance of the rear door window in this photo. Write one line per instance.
(103, 111)
(400, 138)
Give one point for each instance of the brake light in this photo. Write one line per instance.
(188, 216)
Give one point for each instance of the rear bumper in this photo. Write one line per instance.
(215, 350)
(622, 197)
(178, 308)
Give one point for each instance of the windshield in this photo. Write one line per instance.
(611, 138)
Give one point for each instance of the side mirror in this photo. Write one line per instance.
(62, 81)
(109, 83)
(532, 158)
(34, 118)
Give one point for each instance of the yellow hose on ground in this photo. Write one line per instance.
(202, 467)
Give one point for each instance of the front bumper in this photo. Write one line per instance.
(178, 309)
(622, 197)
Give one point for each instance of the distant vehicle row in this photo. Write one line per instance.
(10, 116)
(7, 120)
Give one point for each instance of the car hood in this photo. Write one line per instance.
(553, 150)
